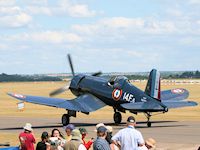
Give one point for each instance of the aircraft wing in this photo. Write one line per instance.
(176, 104)
(174, 94)
(83, 103)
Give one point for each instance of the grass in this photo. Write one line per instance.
(8, 107)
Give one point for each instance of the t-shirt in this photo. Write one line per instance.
(27, 140)
(101, 144)
(41, 146)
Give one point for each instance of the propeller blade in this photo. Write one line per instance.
(60, 90)
(71, 65)
(97, 73)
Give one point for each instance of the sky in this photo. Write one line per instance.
(100, 35)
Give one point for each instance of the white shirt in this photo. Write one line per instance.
(81, 147)
(129, 138)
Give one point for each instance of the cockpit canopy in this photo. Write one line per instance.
(117, 81)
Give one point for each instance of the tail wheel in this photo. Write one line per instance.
(65, 119)
(117, 117)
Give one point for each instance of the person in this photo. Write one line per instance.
(150, 143)
(68, 130)
(84, 132)
(76, 142)
(109, 138)
(44, 144)
(99, 125)
(129, 137)
(57, 140)
(27, 138)
(100, 143)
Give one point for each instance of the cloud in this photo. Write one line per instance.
(54, 37)
(7, 2)
(13, 21)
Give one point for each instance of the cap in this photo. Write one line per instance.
(131, 119)
(44, 135)
(99, 125)
(69, 126)
(28, 127)
(151, 142)
(83, 130)
(76, 135)
(102, 129)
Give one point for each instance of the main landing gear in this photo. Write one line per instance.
(148, 115)
(66, 117)
(117, 117)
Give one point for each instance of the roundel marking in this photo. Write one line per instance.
(116, 94)
(177, 91)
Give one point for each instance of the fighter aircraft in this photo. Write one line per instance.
(94, 92)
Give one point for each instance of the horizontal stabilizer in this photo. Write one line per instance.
(143, 106)
(83, 103)
(176, 104)
(174, 94)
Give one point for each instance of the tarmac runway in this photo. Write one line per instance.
(170, 135)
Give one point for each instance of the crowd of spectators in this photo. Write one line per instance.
(74, 138)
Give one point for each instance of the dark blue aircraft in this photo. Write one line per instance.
(94, 92)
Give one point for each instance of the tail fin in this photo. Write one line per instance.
(153, 84)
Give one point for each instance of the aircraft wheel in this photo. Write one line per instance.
(148, 124)
(117, 117)
(65, 119)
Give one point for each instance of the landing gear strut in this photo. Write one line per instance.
(148, 115)
(65, 119)
(117, 117)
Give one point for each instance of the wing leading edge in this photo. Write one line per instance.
(83, 103)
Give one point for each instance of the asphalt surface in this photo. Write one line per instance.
(168, 134)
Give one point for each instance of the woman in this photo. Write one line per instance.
(57, 140)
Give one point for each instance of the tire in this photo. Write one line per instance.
(117, 117)
(65, 119)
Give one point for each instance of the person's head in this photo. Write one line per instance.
(45, 136)
(99, 125)
(109, 134)
(28, 127)
(150, 143)
(68, 129)
(102, 131)
(83, 132)
(56, 133)
(131, 121)
(76, 135)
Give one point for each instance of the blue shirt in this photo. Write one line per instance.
(129, 138)
(101, 144)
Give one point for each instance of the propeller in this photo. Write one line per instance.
(66, 87)
(60, 90)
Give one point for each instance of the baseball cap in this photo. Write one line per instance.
(131, 119)
(99, 125)
(102, 129)
(83, 130)
(69, 126)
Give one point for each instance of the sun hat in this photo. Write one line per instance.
(76, 135)
(28, 127)
(110, 129)
(131, 119)
(151, 142)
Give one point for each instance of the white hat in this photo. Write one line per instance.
(109, 128)
(99, 125)
(28, 127)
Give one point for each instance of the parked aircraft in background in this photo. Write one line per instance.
(94, 92)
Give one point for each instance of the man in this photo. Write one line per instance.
(100, 143)
(129, 138)
(27, 138)
(76, 142)
(43, 145)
